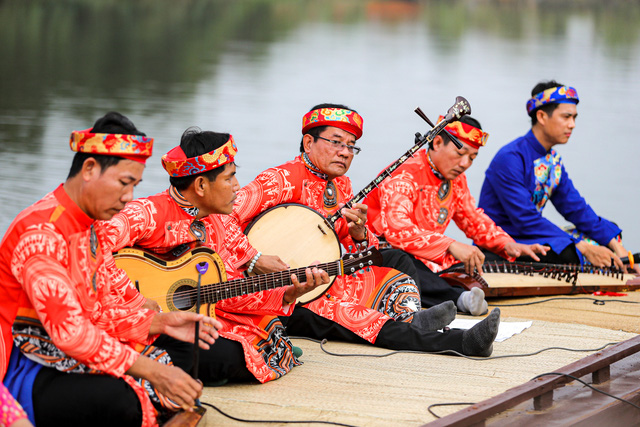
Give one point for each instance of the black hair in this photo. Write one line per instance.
(112, 122)
(465, 119)
(316, 131)
(547, 108)
(196, 142)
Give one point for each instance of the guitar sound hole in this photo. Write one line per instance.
(184, 298)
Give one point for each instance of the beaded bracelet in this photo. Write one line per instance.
(253, 262)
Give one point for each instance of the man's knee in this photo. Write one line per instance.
(401, 261)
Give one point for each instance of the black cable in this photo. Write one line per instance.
(451, 352)
(446, 404)
(274, 421)
(595, 301)
(534, 378)
(588, 385)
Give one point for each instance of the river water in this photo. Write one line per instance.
(253, 68)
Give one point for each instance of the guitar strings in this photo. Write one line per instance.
(222, 290)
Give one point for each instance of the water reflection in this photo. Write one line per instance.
(253, 67)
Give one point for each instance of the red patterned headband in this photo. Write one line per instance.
(132, 147)
(177, 164)
(468, 134)
(346, 120)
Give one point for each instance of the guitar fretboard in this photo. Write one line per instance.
(263, 282)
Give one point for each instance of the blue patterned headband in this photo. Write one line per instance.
(554, 95)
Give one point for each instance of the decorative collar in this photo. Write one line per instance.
(69, 205)
(312, 168)
(434, 169)
(184, 204)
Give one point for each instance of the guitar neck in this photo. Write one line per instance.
(420, 142)
(263, 282)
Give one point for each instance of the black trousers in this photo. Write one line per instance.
(433, 289)
(62, 399)
(223, 361)
(393, 335)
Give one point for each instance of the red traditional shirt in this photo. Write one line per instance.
(54, 268)
(346, 301)
(159, 223)
(413, 208)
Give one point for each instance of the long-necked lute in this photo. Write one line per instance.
(300, 236)
(514, 279)
(171, 280)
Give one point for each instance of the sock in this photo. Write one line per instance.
(478, 341)
(473, 302)
(436, 317)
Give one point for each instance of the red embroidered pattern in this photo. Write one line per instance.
(405, 210)
(158, 223)
(293, 183)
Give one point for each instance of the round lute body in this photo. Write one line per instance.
(299, 235)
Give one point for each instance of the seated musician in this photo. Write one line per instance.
(71, 342)
(413, 208)
(380, 306)
(528, 172)
(195, 208)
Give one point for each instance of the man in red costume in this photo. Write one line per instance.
(380, 306)
(71, 339)
(196, 208)
(413, 208)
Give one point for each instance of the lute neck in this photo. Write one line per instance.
(419, 143)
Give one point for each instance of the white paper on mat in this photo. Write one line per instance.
(505, 330)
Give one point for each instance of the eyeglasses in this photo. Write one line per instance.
(339, 146)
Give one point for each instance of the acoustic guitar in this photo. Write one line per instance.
(299, 235)
(514, 279)
(171, 280)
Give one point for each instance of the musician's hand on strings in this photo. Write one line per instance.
(469, 255)
(152, 305)
(315, 277)
(269, 264)
(517, 250)
(356, 218)
(599, 256)
(170, 381)
(616, 246)
(181, 325)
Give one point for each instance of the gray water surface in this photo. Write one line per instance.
(253, 68)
